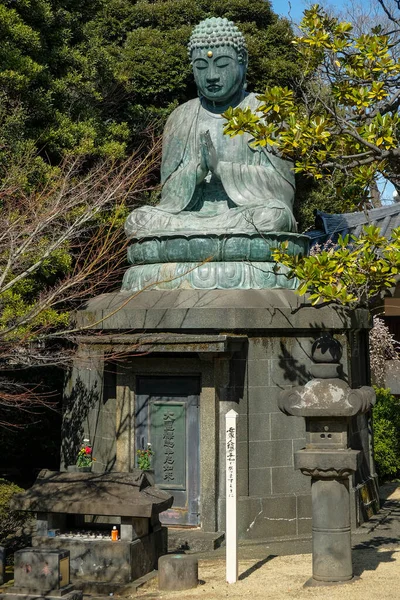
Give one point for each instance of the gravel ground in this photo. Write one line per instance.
(376, 560)
(283, 577)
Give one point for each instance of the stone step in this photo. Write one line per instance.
(193, 540)
(96, 590)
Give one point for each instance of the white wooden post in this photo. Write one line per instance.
(231, 523)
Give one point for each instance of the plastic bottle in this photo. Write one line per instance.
(114, 534)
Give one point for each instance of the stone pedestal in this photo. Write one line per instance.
(207, 261)
(330, 501)
(177, 572)
(331, 529)
(242, 347)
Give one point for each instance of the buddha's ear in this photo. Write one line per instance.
(243, 57)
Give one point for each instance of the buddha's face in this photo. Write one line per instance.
(218, 73)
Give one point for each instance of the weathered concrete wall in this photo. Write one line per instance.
(274, 505)
(89, 409)
(278, 329)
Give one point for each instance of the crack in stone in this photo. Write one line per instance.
(255, 519)
(278, 519)
(275, 519)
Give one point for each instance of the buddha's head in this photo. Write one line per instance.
(218, 53)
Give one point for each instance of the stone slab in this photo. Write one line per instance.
(101, 590)
(61, 593)
(9, 595)
(227, 309)
(260, 482)
(278, 453)
(286, 480)
(193, 540)
(259, 427)
(164, 342)
(284, 427)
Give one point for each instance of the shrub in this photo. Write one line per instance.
(12, 522)
(386, 419)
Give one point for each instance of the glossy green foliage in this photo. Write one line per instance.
(353, 272)
(11, 521)
(341, 114)
(386, 422)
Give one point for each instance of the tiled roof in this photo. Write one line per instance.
(331, 226)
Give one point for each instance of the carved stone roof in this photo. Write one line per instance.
(110, 494)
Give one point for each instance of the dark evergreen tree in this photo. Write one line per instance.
(88, 76)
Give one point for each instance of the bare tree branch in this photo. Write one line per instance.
(59, 245)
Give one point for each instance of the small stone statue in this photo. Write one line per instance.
(213, 183)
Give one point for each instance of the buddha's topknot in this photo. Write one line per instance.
(215, 32)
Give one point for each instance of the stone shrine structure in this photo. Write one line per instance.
(75, 512)
(205, 323)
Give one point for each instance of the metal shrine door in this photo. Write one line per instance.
(167, 416)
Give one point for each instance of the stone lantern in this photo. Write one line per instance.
(328, 404)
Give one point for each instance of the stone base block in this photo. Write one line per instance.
(110, 562)
(98, 589)
(41, 569)
(11, 595)
(177, 572)
(280, 328)
(23, 591)
(193, 540)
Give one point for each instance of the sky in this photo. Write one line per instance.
(293, 10)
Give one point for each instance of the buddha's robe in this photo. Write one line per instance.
(254, 190)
